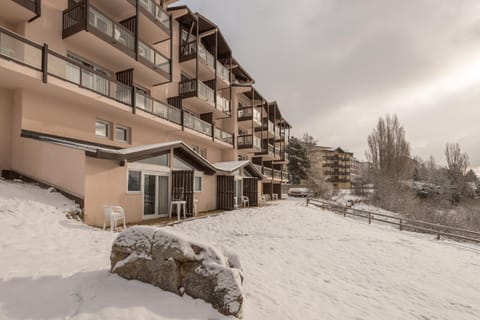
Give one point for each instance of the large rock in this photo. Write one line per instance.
(170, 261)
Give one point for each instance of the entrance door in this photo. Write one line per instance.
(155, 195)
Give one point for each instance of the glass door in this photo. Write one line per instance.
(155, 195)
(149, 192)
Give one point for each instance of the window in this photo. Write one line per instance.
(122, 134)
(102, 129)
(134, 181)
(197, 184)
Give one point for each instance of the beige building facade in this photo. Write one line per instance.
(132, 103)
(333, 165)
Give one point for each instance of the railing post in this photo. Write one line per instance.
(134, 100)
(401, 221)
(369, 218)
(308, 201)
(45, 63)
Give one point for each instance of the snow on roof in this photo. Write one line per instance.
(144, 147)
(231, 165)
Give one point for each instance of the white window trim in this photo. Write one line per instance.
(197, 174)
(141, 181)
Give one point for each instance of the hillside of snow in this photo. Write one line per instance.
(299, 263)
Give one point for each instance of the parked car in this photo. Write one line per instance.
(299, 192)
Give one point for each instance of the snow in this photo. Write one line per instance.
(298, 263)
(231, 165)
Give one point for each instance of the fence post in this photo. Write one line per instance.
(438, 236)
(401, 224)
(308, 201)
(369, 218)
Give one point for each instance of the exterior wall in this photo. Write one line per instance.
(106, 184)
(207, 199)
(6, 112)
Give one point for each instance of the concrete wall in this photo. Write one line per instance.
(6, 111)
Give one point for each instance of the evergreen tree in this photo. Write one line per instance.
(298, 162)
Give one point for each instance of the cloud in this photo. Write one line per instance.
(346, 63)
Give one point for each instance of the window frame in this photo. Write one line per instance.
(127, 131)
(197, 175)
(140, 181)
(108, 129)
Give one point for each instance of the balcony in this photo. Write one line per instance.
(285, 177)
(22, 51)
(277, 174)
(197, 95)
(268, 126)
(249, 142)
(206, 64)
(277, 133)
(108, 43)
(223, 136)
(250, 114)
(197, 124)
(157, 108)
(155, 21)
(268, 172)
(17, 11)
(63, 68)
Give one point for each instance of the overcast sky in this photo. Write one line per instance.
(336, 66)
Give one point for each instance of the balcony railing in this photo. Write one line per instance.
(206, 57)
(63, 68)
(223, 72)
(197, 124)
(268, 172)
(259, 168)
(32, 5)
(112, 32)
(271, 149)
(277, 174)
(249, 141)
(196, 88)
(268, 125)
(223, 136)
(223, 104)
(285, 176)
(249, 113)
(277, 132)
(13, 47)
(153, 57)
(156, 12)
(276, 153)
(158, 108)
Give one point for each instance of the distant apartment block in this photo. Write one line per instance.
(334, 164)
(133, 103)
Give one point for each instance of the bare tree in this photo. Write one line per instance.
(457, 166)
(389, 152)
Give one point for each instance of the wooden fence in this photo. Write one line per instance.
(403, 223)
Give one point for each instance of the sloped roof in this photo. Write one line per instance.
(132, 154)
(232, 166)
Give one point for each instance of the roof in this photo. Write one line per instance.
(132, 154)
(231, 166)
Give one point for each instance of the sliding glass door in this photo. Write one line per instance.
(155, 195)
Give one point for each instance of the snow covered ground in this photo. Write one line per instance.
(299, 263)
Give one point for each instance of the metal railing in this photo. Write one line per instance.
(206, 57)
(63, 68)
(156, 12)
(158, 108)
(111, 29)
(277, 174)
(23, 51)
(271, 149)
(403, 223)
(223, 104)
(268, 172)
(223, 72)
(197, 124)
(153, 57)
(249, 140)
(223, 136)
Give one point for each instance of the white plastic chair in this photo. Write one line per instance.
(245, 201)
(113, 214)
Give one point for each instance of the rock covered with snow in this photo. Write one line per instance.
(174, 263)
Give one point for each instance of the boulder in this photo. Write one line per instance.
(174, 263)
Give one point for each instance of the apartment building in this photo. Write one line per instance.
(333, 164)
(133, 103)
